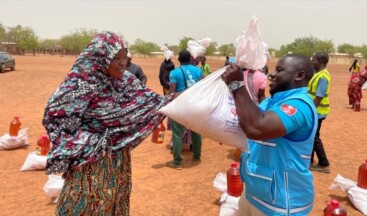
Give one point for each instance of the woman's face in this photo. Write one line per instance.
(118, 64)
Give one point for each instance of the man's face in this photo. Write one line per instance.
(316, 63)
(283, 76)
(118, 65)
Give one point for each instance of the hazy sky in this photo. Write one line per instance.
(280, 22)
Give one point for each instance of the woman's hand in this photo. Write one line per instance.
(232, 73)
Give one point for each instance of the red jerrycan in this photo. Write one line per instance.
(158, 134)
(43, 145)
(14, 127)
(362, 176)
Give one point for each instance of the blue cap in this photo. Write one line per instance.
(232, 59)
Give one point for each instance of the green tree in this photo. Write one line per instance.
(143, 47)
(2, 32)
(48, 45)
(182, 45)
(26, 39)
(363, 50)
(325, 46)
(77, 40)
(227, 49)
(211, 48)
(347, 48)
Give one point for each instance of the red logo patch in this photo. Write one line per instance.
(288, 109)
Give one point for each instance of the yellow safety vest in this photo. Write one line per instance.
(324, 107)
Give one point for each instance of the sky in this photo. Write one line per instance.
(166, 22)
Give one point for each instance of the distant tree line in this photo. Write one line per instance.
(74, 42)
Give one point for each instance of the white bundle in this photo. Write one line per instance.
(250, 50)
(34, 162)
(198, 48)
(168, 54)
(9, 142)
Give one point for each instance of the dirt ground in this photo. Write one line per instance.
(159, 190)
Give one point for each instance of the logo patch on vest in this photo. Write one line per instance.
(288, 109)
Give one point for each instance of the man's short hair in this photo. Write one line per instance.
(184, 56)
(302, 63)
(322, 57)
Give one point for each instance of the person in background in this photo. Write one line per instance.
(319, 89)
(135, 70)
(280, 133)
(205, 68)
(355, 86)
(181, 78)
(354, 68)
(95, 118)
(166, 67)
(227, 61)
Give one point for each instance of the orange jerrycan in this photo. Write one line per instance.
(158, 134)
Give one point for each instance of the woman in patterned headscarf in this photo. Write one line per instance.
(98, 114)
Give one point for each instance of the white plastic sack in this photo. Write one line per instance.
(8, 142)
(53, 186)
(357, 195)
(168, 54)
(208, 108)
(220, 182)
(34, 162)
(364, 86)
(198, 48)
(250, 50)
(229, 205)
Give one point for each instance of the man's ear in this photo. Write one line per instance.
(300, 75)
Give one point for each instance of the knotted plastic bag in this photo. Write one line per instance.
(168, 54)
(198, 48)
(250, 49)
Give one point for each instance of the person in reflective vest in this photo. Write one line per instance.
(319, 89)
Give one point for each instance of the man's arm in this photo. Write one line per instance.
(261, 95)
(320, 91)
(255, 123)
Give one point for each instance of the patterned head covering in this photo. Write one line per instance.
(91, 114)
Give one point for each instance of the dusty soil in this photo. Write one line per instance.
(159, 190)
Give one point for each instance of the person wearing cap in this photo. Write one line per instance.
(136, 70)
(181, 78)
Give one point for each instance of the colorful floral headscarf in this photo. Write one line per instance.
(91, 114)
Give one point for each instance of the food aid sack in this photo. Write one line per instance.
(208, 108)
(250, 49)
(8, 142)
(356, 195)
(198, 48)
(34, 162)
(53, 186)
(168, 54)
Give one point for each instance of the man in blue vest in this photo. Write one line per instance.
(281, 132)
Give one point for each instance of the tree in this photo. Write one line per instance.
(306, 46)
(143, 47)
(227, 49)
(2, 32)
(182, 45)
(77, 40)
(347, 48)
(48, 45)
(26, 39)
(211, 48)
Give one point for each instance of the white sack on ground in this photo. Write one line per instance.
(250, 49)
(208, 108)
(198, 48)
(357, 195)
(34, 162)
(8, 142)
(53, 186)
(228, 203)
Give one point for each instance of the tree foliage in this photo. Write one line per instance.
(143, 47)
(306, 46)
(77, 40)
(347, 48)
(182, 45)
(2, 32)
(26, 39)
(227, 49)
(211, 48)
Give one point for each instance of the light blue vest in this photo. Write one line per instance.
(276, 173)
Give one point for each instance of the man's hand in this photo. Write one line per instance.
(232, 73)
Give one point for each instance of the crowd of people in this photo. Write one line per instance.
(103, 110)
